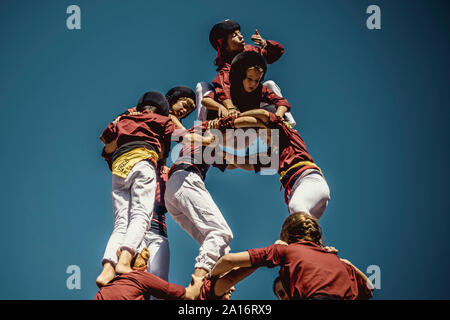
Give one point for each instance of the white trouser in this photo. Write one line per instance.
(192, 207)
(275, 88)
(201, 89)
(310, 194)
(159, 261)
(133, 201)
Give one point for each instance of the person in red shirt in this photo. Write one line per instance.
(307, 269)
(140, 285)
(247, 92)
(134, 144)
(226, 38)
(306, 189)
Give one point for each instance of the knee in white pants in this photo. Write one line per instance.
(273, 86)
(312, 198)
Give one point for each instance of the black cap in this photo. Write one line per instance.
(153, 98)
(242, 62)
(221, 30)
(176, 93)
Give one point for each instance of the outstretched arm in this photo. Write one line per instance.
(194, 138)
(259, 114)
(248, 122)
(225, 283)
(363, 276)
(176, 122)
(231, 261)
(212, 104)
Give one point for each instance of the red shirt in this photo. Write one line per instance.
(266, 95)
(272, 52)
(193, 153)
(207, 290)
(292, 148)
(307, 270)
(140, 285)
(151, 128)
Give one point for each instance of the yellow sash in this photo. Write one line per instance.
(299, 164)
(124, 163)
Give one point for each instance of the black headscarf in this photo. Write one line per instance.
(153, 98)
(242, 100)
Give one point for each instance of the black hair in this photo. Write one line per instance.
(153, 98)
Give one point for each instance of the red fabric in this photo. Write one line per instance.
(272, 52)
(292, 148)
(140, 285)
(192, 153)
(161, 180)
(308, 270)
(149, 127)
(267, 96)
(192, 149)
(207, 290)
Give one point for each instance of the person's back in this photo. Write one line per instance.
(317, 273)
(308, 270)
(139, 285)
(148, 128)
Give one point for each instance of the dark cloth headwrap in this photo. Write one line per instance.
(218, 39)
(153, 98)
(176, 93)
(221, 30)
(244, 60)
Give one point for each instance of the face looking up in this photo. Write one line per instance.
(235, 41)
(182, 108)
(251, 80)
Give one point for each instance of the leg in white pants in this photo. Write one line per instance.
(159, 261)
(275, 88)
(201, 89)
(310, 194)
(192, 207)
(133, 201)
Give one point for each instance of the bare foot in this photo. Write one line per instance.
(123, 268)
(106, 275)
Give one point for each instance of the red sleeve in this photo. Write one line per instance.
(178, 134)
(158, 287)
(211, 94)
(271, 97)
(226, 123)
(365, 292)
(273, 51)
(270, 256)
(221, 83)
(207, 290)
(109, 134)
(273, 121)
(169, 130)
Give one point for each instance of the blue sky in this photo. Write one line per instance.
(372, 106)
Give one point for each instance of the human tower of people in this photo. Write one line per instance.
(137, 144)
